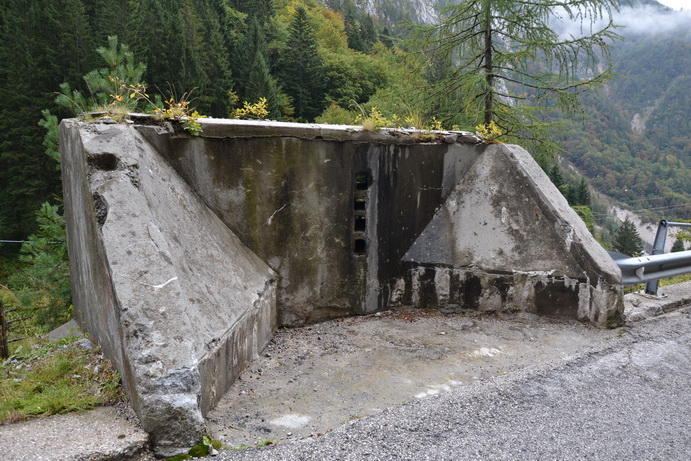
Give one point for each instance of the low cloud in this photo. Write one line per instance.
(652, 21)
(642, 20)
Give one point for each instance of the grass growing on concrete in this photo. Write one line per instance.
(663, 283)
(675, 280)
(53, 378)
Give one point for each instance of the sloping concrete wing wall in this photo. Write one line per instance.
(186, 252)
(172, 296)
(511, 242)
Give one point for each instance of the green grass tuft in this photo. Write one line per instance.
(55, 378)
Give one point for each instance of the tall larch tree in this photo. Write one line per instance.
(510, 61)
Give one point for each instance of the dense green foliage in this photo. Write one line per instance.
(42, 287)
(43, 43)
(678, 246)
(299, 55)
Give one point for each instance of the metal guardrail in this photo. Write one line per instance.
(653, 267)
(650, 269)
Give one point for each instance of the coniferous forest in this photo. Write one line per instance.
(300, 56)
(327, 61)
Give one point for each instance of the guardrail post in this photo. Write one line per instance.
(4, 343)
(658, 248)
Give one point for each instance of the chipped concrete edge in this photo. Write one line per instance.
(641, 306)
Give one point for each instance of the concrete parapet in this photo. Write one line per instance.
(343, 215)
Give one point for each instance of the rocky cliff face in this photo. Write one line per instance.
(395, 13)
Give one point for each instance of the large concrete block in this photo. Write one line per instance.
(344, 215)
(169, 292)
(332, 217)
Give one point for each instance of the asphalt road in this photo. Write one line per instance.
(629, 401)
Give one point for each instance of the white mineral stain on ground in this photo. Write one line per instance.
(486, 352)
(435, 389)
(292, 421)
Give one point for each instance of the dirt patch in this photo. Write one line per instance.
(313, 379)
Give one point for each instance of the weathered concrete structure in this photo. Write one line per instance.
(187, 252)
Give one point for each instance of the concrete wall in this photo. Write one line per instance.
(187, 252)
(473, 217)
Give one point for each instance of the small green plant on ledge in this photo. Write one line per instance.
(177, 110)
(249, 111)
(180, 111)
(372, 121)
(207, 446)
(489, 132)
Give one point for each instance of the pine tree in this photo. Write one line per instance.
(678, 246)
(359, 27)
(43, 285)
(161, 44)
(627, 240)
(582, 193)
(42, 43)
(214, 51)
(386, 38)
(302, 69)
(103, 83)
(121, 18)
(255, 80)
(555, 176)
(510, 61)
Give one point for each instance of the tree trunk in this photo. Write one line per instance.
(489, 66)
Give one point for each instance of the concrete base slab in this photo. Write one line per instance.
(311, 380)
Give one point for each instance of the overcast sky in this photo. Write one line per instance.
(676, 4)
